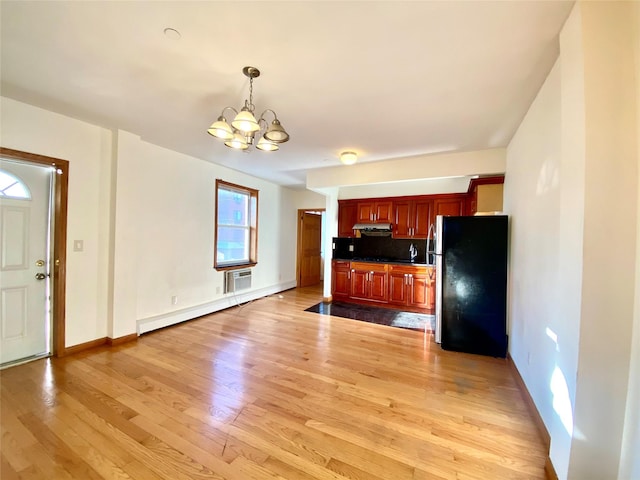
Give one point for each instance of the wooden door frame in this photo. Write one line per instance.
(59, 236)
(301, 212)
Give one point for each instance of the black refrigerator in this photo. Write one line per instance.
(471, 284)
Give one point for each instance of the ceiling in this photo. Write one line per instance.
(387, 79)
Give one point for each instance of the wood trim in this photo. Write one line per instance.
(59, 268)
(537, 418)
(253, 225)
(549, 471)
(474, 182)
(300, 230)
(112, 342)
(300, 226)
(81, 347)
(236, 267)
(98, 342)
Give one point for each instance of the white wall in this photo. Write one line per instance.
(571, 191)
(545, 269)
(409, 187)
(88, 149)
(479, 162)
(611, 177)
(164, 236)
(146, 216)
(630, 458)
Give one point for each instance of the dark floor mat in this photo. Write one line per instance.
(381, 316)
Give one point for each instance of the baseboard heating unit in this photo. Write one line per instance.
(235, 280)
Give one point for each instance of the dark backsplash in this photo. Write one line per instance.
(388, 248)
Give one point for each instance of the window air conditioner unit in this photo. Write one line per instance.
(235, 280)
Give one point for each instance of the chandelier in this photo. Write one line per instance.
(244, 127)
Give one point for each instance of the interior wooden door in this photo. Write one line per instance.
(310, 251)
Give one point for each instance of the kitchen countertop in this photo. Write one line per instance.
(386, 260)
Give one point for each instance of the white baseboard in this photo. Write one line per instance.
(149, 324)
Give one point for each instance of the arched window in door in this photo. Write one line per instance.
(12, 187)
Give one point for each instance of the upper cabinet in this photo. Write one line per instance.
(347, 217)
(412, 217)
(375, 211)
(453, 205)
(485, 195)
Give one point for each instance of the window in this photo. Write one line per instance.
(12, 187)
(236, 226)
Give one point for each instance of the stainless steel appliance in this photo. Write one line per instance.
(471, 283)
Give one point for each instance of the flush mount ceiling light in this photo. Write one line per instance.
(244, 127)
(348, 158)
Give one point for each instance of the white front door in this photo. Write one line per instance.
(25, 193)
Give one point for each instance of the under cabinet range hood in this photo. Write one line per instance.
(373, 229)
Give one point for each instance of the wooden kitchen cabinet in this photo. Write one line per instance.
(485, 195)
(374, 211)
(411, 286)
(369, 281)
(340, 279)
(347, 218)
(398, 291)
(411, 218)
(453, 205)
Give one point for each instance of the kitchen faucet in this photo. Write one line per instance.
(413, 252)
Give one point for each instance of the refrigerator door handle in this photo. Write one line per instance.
(437, 237)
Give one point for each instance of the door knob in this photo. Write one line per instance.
(40, 276)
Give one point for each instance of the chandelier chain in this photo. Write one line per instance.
(251, 105)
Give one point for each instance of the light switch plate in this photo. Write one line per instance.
(78, 245)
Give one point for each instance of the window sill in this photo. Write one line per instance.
(235, 266)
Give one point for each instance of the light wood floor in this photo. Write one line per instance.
(268, 391)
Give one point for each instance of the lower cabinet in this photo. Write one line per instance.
(408, 286)
(369, 281)
(411, 286)
(341, 279)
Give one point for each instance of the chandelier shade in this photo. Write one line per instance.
(244, 128)
(267, 145)
(245, 121)
(221, 129)
(238, 142)
(275, 132)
